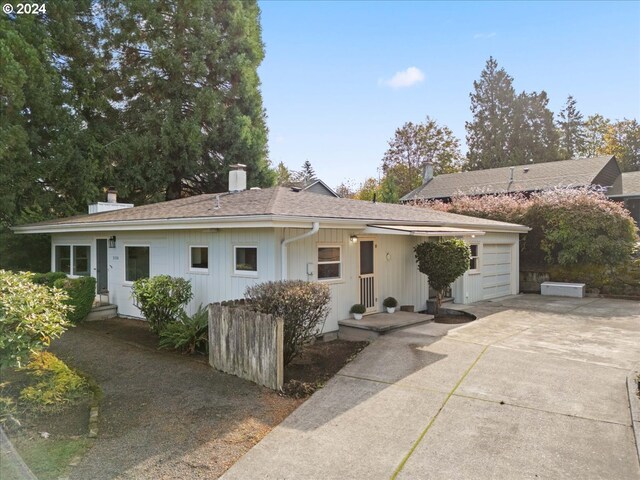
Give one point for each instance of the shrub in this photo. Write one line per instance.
(390, 302)
(442, 262)
(189, 334)
(358, 308)
(56, 383)
(569, 226)
(7, 408)
(302, 305)
(161, 299)
(82, 293)
(48, 278)
(30, 316)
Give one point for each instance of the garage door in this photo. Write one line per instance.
(496, 270)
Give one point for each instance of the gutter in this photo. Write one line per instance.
(283, 247)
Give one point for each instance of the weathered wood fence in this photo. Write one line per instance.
(247, 344)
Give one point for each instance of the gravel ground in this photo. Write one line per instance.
(163, 415)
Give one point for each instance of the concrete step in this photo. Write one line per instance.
(102, 312)
(371, 327)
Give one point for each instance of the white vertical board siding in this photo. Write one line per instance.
(169, 255)
(398, 276)
(492, 247)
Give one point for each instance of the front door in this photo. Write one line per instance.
(368, 295)
(102, 268)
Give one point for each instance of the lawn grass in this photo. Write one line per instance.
(48, 458)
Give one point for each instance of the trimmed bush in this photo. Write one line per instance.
(30, 316)
(161, 299)
(190, 334)
(304, 306)
(358, 308)
(390, 302)
(56, 383)
(48, 278)
(82, 293)
(442, 262)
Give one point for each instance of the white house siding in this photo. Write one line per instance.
(474, 287)
(169, 254)
(398, 276)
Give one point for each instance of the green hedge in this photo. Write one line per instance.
(48, 278)
(82, 293)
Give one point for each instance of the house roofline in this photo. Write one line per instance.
(246, 221)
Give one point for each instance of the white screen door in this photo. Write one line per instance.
(367, 275)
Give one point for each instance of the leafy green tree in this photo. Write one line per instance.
(622, 139)
(596, 127)
(572, 132)
(492, 106)
(442, 262)
(367, 190)
(412, 146)
(184, 78)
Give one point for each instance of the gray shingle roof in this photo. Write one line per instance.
(279, 202)
(627, 184)
(526, 178)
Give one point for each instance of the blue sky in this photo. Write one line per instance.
(337, 79)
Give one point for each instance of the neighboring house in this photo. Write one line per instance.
(225, 242)
(626, 189)
(581, 172)
(318, 186)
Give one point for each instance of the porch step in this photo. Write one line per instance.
(372, 326)
(102, 312)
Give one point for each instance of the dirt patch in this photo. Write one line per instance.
(165, 415)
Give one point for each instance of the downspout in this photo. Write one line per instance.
(283, 247)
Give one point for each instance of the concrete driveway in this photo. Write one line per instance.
(535, 388)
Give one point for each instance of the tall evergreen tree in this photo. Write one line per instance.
(492, 106)
(533, 136)
(307, 173)
(572, 132)
(184, 77)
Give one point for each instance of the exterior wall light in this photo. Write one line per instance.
(112, 241)
(353, 239)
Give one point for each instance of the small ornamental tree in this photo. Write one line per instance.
(161, 299)
(30, 316)
(303, 306)
(442, 262)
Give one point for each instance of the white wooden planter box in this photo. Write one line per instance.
(559, 289)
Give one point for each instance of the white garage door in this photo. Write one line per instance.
(496, 270)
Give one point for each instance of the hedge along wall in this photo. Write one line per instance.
(247, 344)
(82, 293)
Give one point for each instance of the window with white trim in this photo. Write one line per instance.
(136, 260)
(199, 258)
(82, 260)
(63, 259)
(329, 262)
(474, 263)
(245, 260)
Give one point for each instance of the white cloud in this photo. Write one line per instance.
(405, 78)
(478, 36)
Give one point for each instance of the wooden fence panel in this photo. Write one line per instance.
(247, 344)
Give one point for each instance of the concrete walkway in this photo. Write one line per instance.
(535, 388)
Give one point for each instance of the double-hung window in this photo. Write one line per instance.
(474, 263)
(329, 262)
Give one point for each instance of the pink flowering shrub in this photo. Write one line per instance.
(568, 226)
